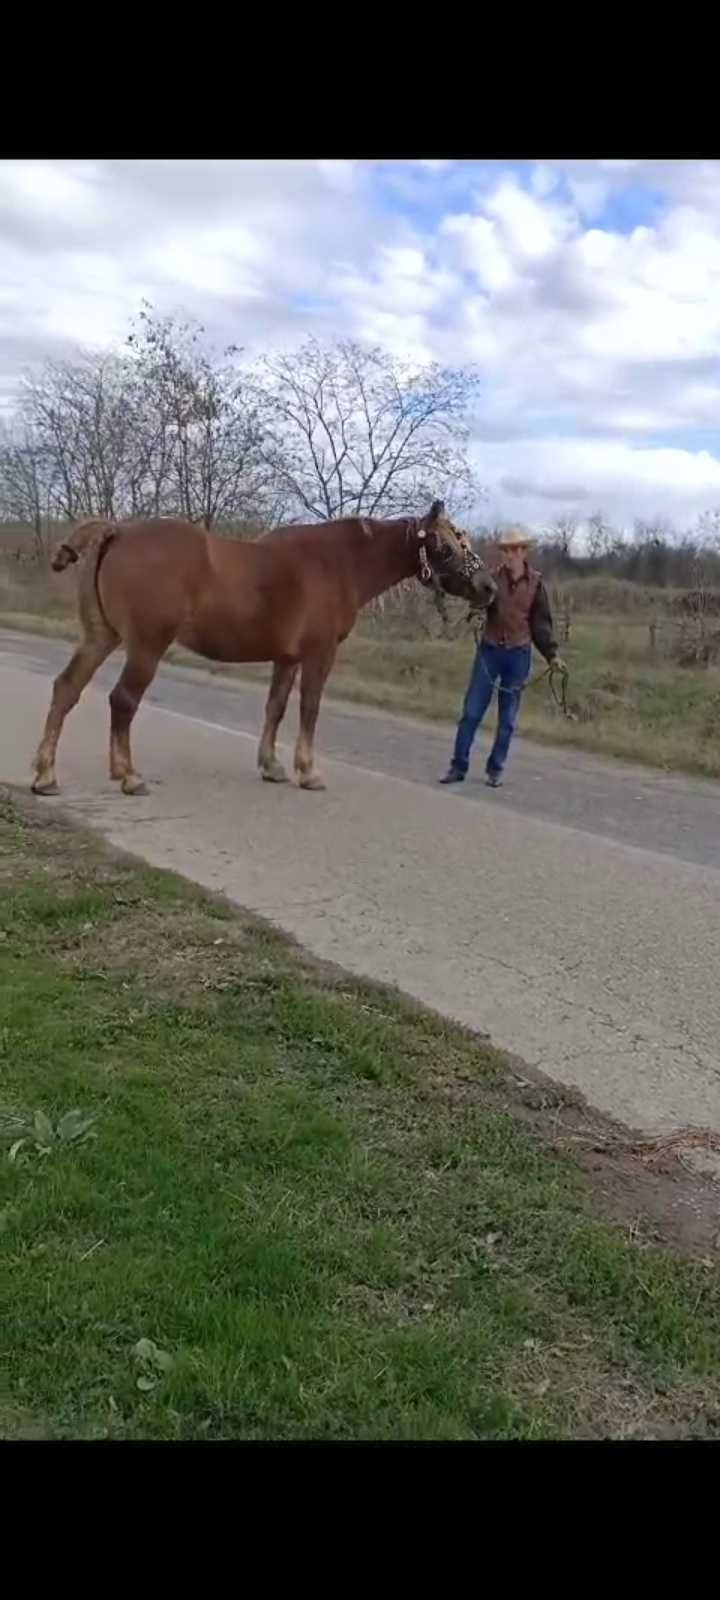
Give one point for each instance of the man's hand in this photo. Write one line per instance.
(558, 665)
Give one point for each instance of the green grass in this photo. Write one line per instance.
(321, 1204)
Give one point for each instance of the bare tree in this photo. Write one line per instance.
(563, 533)
(25, 482)
(163, 427)
(348, 430)
(78, 417)
(169, 426)
(199, 428)
(600, 536)
(709, 529)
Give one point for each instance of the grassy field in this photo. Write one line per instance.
(304, 1208)
(624, 702)
(627, 701)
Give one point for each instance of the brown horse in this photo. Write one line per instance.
(289, 598)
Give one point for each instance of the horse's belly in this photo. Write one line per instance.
(223, 639)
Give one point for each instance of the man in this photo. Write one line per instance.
(519, 617)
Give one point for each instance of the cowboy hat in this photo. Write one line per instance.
(515, 538)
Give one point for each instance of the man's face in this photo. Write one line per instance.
(516, 558)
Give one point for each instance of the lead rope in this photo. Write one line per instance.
(477, 620)
(551, 673)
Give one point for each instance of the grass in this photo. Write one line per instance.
(627, 701)
(305, 1208)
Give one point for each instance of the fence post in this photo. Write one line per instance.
(652, 629)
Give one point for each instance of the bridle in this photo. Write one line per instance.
(427, 573)
(430, 579)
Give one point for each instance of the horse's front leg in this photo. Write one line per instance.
(315, 669)
(283, 679)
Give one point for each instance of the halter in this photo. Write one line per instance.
(471, 562)
(426, 571)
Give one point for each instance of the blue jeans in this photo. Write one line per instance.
(509, 666)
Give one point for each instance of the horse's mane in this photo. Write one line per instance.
(329, 529)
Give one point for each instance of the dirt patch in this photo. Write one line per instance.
(650, 1185)
(666, 1191)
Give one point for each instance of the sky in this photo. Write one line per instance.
(587, 293)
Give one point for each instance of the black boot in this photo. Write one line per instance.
(453, 775)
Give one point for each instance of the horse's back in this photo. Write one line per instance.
(164, 579)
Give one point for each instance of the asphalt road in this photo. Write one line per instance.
(573, 915)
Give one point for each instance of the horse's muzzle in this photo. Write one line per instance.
(485, 589)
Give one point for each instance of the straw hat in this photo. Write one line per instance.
(515, 538)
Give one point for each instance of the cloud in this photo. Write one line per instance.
(534, 480)
(588, 293)
(244, 246)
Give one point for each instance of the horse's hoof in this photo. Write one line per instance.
(39, 787)
(312, 783)
(274, 774)
(134, 786)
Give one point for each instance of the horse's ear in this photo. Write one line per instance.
(437, 510)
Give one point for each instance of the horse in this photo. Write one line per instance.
(290, 598)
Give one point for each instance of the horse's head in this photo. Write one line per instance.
(447, 559)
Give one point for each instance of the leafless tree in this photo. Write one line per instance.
(168, 426)
(164, 426)
(25, 482)
(347, 430)
(199, 428)
(563, 533)
(600, 536)
(77, 415)
(709, 529)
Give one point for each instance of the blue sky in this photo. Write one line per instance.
(587, 294)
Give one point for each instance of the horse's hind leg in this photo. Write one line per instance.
(283, 678)
(135, 678)
(315, 669)
(67, 689)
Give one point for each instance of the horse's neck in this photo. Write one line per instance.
(384, 558)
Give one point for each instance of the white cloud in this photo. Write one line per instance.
(480, 248)
(599, 342)
(29, 187)
(529, 227)
(536, 479)
(397, 300)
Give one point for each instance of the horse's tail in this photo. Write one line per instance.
(87, 538)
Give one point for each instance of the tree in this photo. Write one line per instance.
(600, 536)
(77, 415)
(160, 428)
(350, 430)
(709, 529)
(650, 558)
(562, 535)
(198, 428)
(25, 482)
